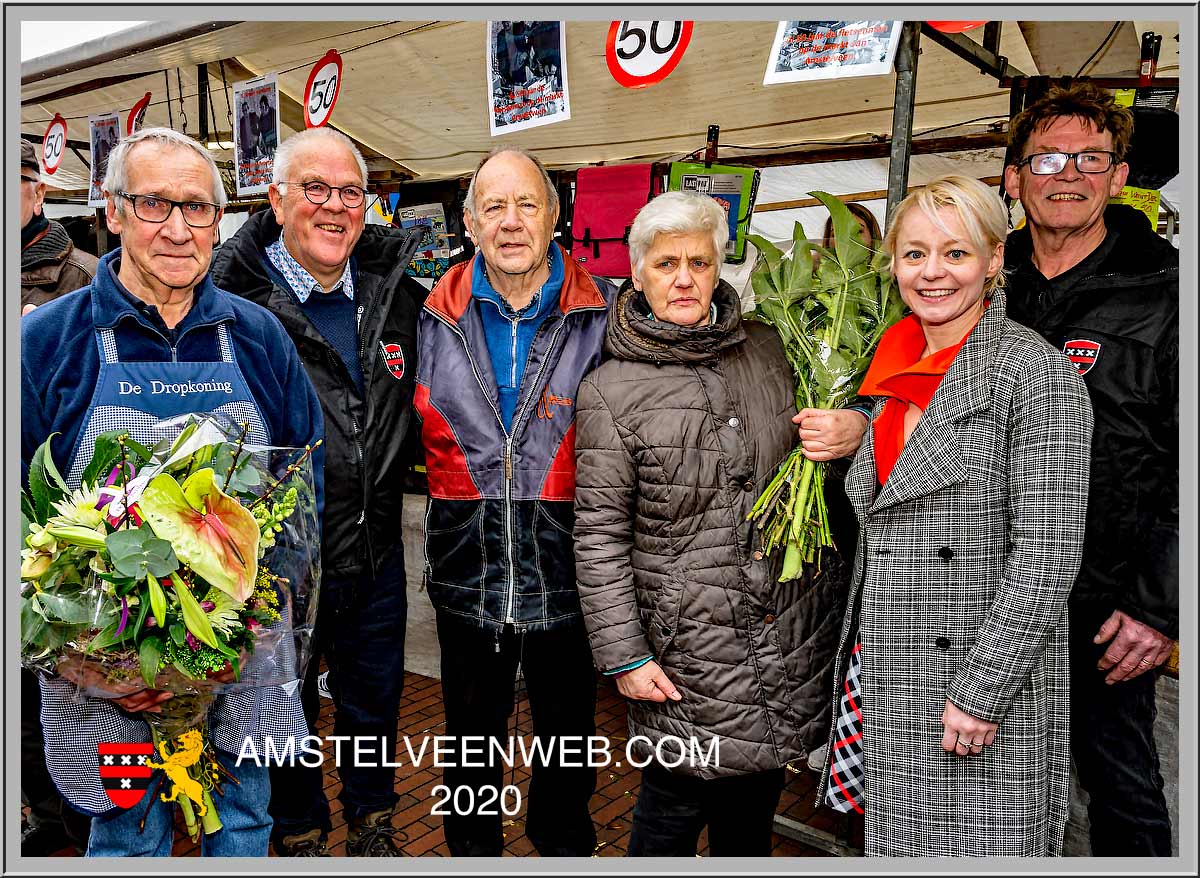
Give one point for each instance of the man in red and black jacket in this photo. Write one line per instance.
(504, 341)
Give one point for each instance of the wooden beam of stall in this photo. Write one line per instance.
(291, 113)
(84, 87)
(872, 195)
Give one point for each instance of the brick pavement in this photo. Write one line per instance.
(612, 805)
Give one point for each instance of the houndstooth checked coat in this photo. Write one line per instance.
(965, 560)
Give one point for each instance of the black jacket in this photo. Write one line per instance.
(1117, 315)
(367, 442)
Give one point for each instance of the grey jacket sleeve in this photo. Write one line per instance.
(1049, 435)
(605, 499)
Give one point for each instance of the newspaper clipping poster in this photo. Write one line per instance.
(527, 74)
(433, 252)
(104, 131)
(809, 50)
(255, 132)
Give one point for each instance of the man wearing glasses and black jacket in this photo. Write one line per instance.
(1099, 284)
(341, 292)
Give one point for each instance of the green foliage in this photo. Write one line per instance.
(150, 653)
(106, 453)
(136, 552)
(46, 486)
(193, 616)
(830, 307)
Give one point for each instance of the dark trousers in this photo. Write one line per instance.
(360, 632)
(672, 809)
(479, 670)
(1112, 741)
(48, 812)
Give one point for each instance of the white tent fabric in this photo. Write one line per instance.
(415, 91)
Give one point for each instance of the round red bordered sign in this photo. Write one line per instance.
(324, 86)
(54, 143)
(641, 53)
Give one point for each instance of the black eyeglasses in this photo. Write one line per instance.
(1092, 161)
(318, 192)
(156, 209)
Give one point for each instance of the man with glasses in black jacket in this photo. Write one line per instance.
(1097, 281)
(341, 292)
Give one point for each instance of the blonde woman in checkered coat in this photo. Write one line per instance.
(950, 723)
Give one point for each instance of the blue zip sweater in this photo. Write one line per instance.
(60, 363)
(509, 334)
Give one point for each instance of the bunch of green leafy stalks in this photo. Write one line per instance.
(830, 308)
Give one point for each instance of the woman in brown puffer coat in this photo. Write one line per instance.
(727, 670)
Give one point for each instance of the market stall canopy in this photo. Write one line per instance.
(415, 94)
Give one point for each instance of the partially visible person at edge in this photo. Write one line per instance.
(679, 432)
(868, 227)
(952, 699)
(51, 265)
(1100, 285)
(504, 340)
(152, 310)
(340, 289)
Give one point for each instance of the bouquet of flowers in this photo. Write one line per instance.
(189, 567)
(830, 308)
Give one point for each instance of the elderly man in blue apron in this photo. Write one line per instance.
(152, 318)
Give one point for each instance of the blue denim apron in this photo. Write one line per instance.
(135, 397)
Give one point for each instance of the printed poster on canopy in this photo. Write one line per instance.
(433, 251)
(255, 132)
(103, 131)
(804, 51)
(527, 75)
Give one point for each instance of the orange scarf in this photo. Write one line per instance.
(897, 371)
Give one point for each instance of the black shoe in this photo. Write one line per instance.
(373, 835)
(303, 844)
(44, 840)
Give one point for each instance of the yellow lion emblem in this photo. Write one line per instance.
(175, 766)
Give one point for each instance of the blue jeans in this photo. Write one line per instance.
(1112, 740)
(360, 631)
(243, 811)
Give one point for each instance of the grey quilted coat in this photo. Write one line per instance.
(678, 434)
(965, 560)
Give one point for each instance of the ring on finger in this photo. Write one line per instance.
(1146, 661)
(961, 743)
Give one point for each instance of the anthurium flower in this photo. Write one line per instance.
(210, 531)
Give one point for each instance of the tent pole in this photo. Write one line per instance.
(902, 114)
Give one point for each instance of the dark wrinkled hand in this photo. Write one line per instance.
(827, 434)
(1135, 648)
(140, 698)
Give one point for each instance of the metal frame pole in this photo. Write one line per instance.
(902, 114)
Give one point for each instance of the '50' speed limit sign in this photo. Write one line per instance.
(54, 144)
(324, 86)
(641, 53)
